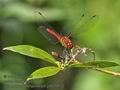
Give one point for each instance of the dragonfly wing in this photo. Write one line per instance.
(47, 35)
(86, 24)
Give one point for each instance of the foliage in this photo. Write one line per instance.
(19, 21)
(50, 70)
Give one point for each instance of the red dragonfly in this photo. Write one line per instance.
(53, 36)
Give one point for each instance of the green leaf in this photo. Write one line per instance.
(94, 64)
(32, 52)
(81, 65)
(102, 64)
(44, 72)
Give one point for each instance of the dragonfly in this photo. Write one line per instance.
(53, 36)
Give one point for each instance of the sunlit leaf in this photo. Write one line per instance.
(44, 72)
(32, 52)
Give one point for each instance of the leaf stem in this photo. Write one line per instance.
(107, 71)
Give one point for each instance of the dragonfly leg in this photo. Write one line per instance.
(56, 54)
(84, 50)
(66, 54)
(93, 52)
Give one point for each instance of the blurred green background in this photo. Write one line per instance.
(19, 20)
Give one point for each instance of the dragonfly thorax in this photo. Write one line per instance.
(66, 42)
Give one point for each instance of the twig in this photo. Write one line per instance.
(107, 71)
(73, 56)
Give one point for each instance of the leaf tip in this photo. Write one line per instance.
(29, 78)
(25, 82)
(7, 48)
(4, 49)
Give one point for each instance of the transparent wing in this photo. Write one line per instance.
(86, 24)
(47, 35)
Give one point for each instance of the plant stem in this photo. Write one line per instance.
(107, 71)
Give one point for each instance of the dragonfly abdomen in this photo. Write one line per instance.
(54, 33)
(64, 40)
